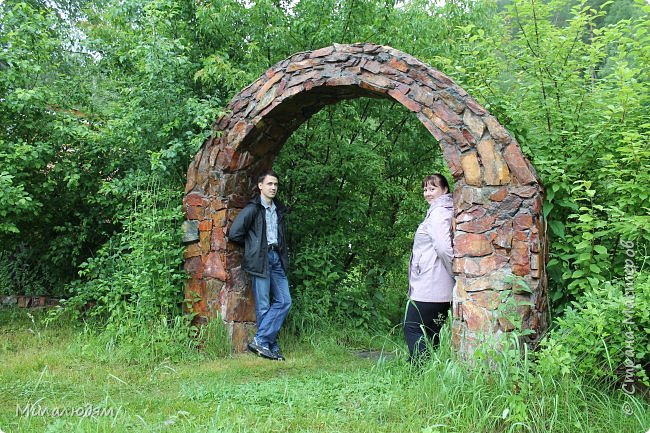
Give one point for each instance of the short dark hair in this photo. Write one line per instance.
(261, 177)
(436, 179)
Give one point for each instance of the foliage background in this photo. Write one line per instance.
(103, 103)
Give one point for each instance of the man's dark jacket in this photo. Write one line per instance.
(249, 230)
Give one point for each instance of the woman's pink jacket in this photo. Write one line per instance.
(430, 276)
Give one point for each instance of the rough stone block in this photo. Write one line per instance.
(468, 139)
(345, 80)
(475, 107)
(476, 318)
(405, 100)
(499, 194)
(472, 195)
(217, 239)
(453, 159)
(213, 288)
(497, 281)
(422, 95)
(446, 114)
(241, 334)
(303, 64)
(474, 123)
(375, 83)
(478, 266)
(269, 83)
(322, 52)
(525, 191)
(486, 299)
(518, 165)
(452, 101)
(519, 254)
(190, 229)
(478, 225)
(204, 242)
(471, 169)
(192, 250)
(213, 266)
(497, 131)
(398, 64)
(472, 245)
(238, 308)
(495, 169)
(523, 222)
(504, 235)
(508, 207)
(239, 279)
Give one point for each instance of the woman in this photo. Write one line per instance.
(430, 276)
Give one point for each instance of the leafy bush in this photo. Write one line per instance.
(20, 273)
(314, 276)
(599, 331)
(138, 273)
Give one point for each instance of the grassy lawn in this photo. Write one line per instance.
(323, 386)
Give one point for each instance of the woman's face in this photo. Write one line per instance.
(432, 192)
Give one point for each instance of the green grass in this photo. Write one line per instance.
(324, 386)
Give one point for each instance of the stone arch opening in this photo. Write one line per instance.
(500, 242)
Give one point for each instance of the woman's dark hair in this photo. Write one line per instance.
(436, 179)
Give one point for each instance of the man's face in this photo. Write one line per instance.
(268, 187)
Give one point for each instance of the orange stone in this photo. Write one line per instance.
(518, 164)
(274, 79)
(213, 266)
(519, 254)
(398, 64)
(304, 64)
(523, 222)
(497, 131)
(205, 225)
(196, 200)
(217, 239)
(472, 244)
(471, 169)
(405, 100)
(219, 218)
(192, 250)
(495, 169)
(479, 225)
(478, 266)
(204, 238)
(487, 299)
(499, 194)
(476, 318)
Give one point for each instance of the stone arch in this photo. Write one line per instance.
(499, 224)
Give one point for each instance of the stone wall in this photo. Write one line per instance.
(500, 243)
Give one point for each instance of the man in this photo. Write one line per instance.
(261, 229)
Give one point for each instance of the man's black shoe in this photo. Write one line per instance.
(260, 350)
(278, 355)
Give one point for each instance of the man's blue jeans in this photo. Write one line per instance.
(272, 301)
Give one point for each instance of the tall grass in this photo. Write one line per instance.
(324, 386)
